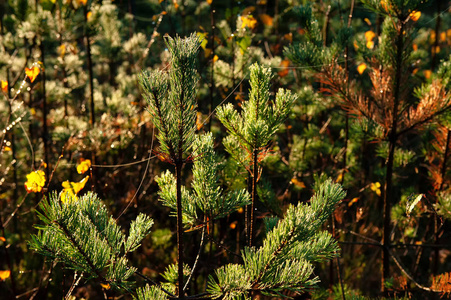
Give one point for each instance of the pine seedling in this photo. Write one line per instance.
(172, 103)
(81, 234)
(251, 130)
(284, 261)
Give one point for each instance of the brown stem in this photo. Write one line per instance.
(90, 72)
(326, 26)
(392, 139)
(178, 174)
(254, 195)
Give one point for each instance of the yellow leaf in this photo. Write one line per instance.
(32, 73)
(62, 50)
(284, 64)
(354, 200)
(210, 1)
(106, 286)
(7, 148)
(427, 74)
(4, 274)
(32, 111)
(267, 20)
(298, 183)
(339, 178)
(415, 15)
(84, 166)
(215, 58)
(240, 210)
(248, 21)
(2, 239)
(4, 86)
(443, 36)
(75, 187)
(203, 38)
(88, 15)
(376, 187)
(35, 181)
(361, 68)
(367, 21)
(415, 47)
(84, 2)
(369, 35)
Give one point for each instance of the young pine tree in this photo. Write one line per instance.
(251, 130)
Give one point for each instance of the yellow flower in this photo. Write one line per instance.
(35, 181)
(248, 21)
(71, 189)
(84, 166)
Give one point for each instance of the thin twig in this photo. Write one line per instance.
(197, 258)
(74, 285)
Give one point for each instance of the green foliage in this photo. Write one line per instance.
(150, 293)
(253, 128)
(175, 89)
(443, 206)
(83, 235)
(284, 261)
(207, 195)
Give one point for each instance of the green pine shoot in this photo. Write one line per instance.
(83, 235)
(251, 130)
